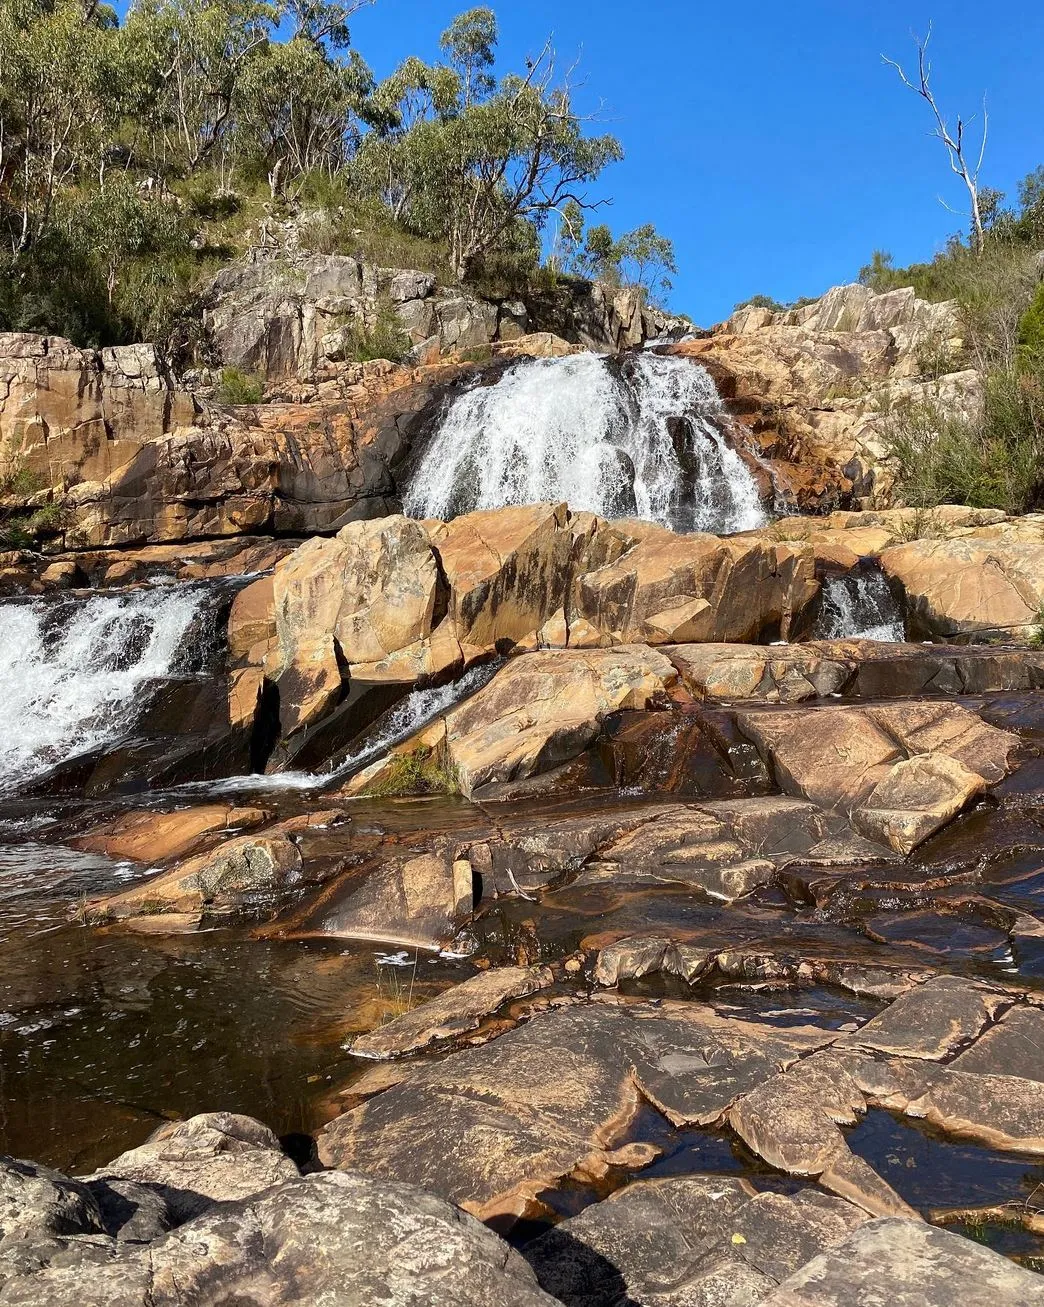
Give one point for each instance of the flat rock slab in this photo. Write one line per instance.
(674, 1242)
(730, 847)
(1013, 1047)
(492, 1127)
(156, 836)
(854, 668)
(932, 1020)
(455, 1012)
(905, 1263)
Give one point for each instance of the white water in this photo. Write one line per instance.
(72, 671)
(405, 719)
(862, 608)
(571, 429)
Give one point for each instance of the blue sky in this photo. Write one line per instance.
(767, 139)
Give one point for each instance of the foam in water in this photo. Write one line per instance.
(575, 429)
(860, 607)
(71, 672)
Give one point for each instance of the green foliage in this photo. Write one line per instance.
(137, 157)
(761, 302)
(384, 340)
(641, 257)
(419, 772)
(994, 459)
(1031, 332)
(238, 387)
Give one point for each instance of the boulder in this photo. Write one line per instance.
(218, 1157)
(902, 772)
(966, 587)
(686, 1239)
(342, 1240)
(155, 836)
(908, 1264)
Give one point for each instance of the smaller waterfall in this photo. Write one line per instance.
(860, 607)
(641, 439)
(414, 712)
(72, 671)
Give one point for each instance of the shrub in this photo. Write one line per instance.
(384, 340)
(994, 459)
(1031, 333)
(238, 387)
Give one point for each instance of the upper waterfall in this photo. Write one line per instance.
(642, 439)
(72, 671)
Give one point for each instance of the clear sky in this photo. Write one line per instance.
(765, 138)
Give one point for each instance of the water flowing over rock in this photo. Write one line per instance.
(646, 440)
(860, 606)
(72, 675)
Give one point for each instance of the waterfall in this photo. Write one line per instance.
(72, 671)
(860, 606)
(410, 715)
(643, 439)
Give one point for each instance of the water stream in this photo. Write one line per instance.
(646, 439)
(860, 606)
(73, 671)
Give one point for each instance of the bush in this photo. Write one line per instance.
(1031, 333)
(238, 387)
(419, 772)
(384, 340)
(994, 459)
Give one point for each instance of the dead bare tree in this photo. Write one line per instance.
(955, 141)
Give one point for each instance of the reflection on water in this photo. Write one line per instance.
(105, 1034)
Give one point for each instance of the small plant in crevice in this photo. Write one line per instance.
(421, 771)
(394, 992)
(238, 387)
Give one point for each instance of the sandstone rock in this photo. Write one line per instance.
(902, 771)
(994, 589)
(668, 589)
(544, 708)
(416, 902)
(36, 1202)
(908, 1264)
(226, 876)
(156, 836)
(1011, 1047)
(458, 1010)
(672, 1242)
(512, 1118)
(214, 1158)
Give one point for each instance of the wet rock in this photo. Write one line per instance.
(503, 1122)
(416, 902)
(458, 1010)
(218, 1157)
(226, 877)
(1003, 1112)
(917, 797)
(908, 1264)
(156, 836)
(992, 589)
(491, 1127)
(728, 848)
(932, 1020)
(686, 1240)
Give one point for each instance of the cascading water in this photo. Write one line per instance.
(860, 607)
(72, 671)
(643, 440)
